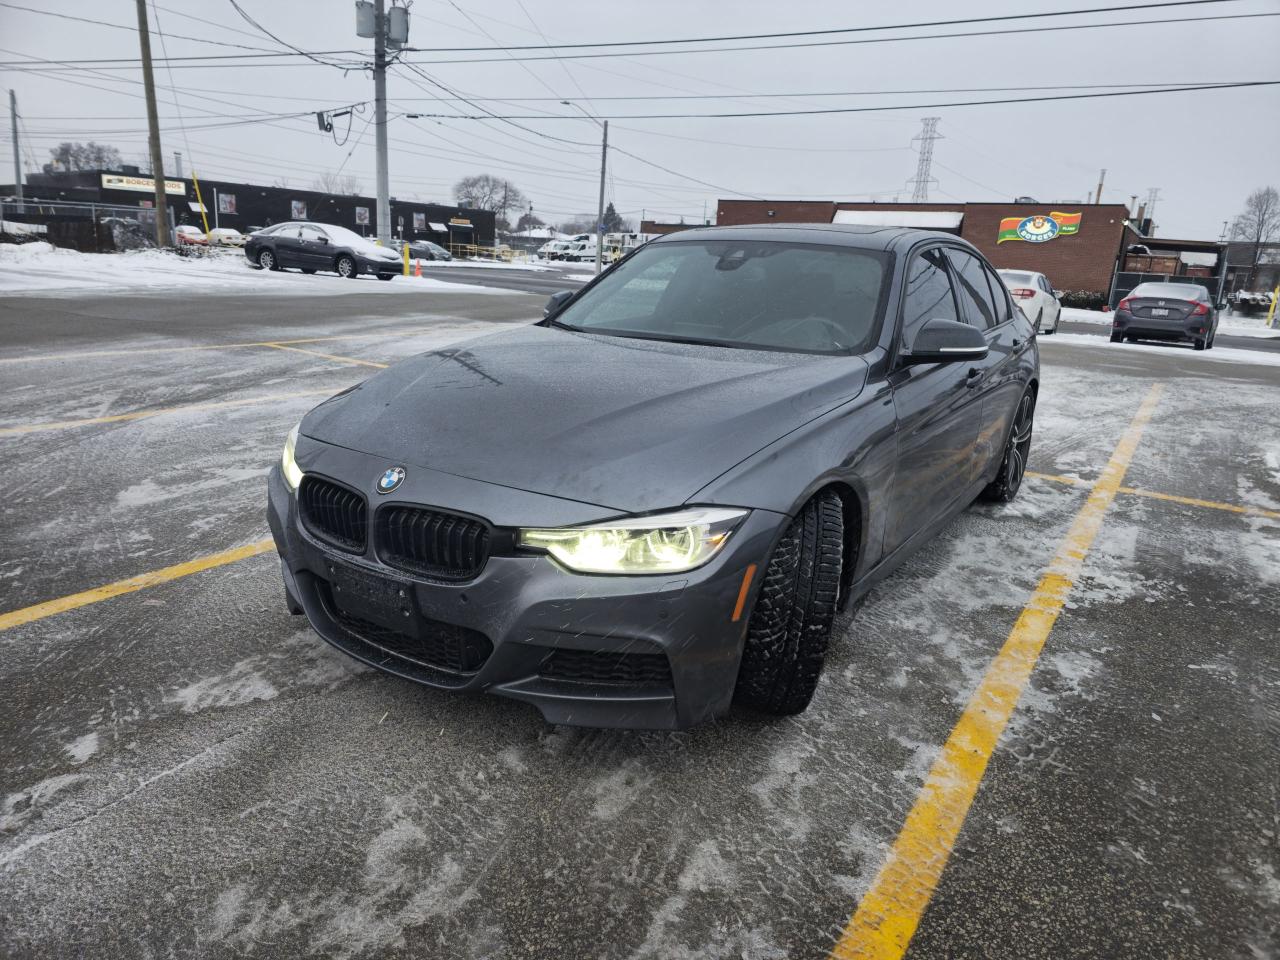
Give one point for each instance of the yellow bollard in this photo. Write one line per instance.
(1271, 314)
(405, 248)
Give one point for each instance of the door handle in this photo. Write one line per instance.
(974, 378)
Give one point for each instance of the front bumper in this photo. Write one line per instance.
(531, 611)
(370, 265)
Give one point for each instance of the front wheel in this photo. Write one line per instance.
(1013, 467)
(1117, 338)
(267, 260)
(346, 267)
(307, 270)
(790, 626)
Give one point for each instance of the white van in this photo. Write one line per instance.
(552, 249)
(581, 250)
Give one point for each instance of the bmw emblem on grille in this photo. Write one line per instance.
(391, 479)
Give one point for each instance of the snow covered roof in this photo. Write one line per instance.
(924, 219)
(540, 233)
(1198, 259)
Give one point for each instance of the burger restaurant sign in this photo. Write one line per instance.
(1039, 228)
(118, 181)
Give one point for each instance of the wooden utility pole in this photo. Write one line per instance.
(17, 163)
(153, 125)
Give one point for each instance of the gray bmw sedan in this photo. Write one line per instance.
(651, 504)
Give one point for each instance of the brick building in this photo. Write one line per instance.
(1083, 259)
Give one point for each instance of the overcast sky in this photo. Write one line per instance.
(1204, 150)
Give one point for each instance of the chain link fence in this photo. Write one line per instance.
(87, 227)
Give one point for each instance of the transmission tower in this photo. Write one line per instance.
(1153, 194)
(928, 134)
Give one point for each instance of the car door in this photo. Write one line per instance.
(1053, 306)
(988, 307)
(314, 248)
(937, 410)
(288, 244)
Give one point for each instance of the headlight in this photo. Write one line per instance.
(664, 543)
(289, 466)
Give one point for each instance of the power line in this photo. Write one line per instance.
(257, 26)
(840, 43)
(904, 106)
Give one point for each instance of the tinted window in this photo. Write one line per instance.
(999, 297)
(972, 289)
(929, 295)
(763, 294)
(1044, 284)
(1171, 291)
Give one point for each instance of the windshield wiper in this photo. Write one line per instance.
(673, 338)
(553, 322)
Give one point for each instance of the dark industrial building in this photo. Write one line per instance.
(248, 206)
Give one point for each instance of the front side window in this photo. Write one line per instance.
(313, 233)
(971, 287)
(929, 295)
(764, 295)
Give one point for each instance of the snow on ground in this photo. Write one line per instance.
(1229, 354)
(485, 265)
(1229, 324)
(39, 268)
(579, 276)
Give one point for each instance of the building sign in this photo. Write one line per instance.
(362, 216)
(459, 222)
(1039, 228)
(297, 209)
(226, 203)
(118, 181)
(419, 221)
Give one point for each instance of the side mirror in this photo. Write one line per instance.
(557, 302)
(945, 341)
(323, 239)
(1057, 294)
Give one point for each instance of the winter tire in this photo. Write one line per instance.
(1013, 467)
(790, 625)
(385, 276)
(346, 267)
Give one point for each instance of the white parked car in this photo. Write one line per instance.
(1035, 295)
(226, 237)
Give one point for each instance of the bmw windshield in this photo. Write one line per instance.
(763, 295)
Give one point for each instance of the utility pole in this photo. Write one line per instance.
(1097, 197)
(17, 164)
(928, 134)
(604, 159)
(380, 120)
(153, 126)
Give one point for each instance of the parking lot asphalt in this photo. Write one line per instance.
(186, 770)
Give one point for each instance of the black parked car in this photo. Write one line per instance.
(1166, 311)
(652, 503)
(321, 246)
(426, 250)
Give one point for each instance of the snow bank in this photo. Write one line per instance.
(1228, 354)
(42, 269)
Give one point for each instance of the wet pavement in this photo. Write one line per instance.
(186, 770)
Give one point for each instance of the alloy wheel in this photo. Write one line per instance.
(1019, 443)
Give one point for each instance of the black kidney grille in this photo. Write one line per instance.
(608, 667)
(333, 513)
(434, 544)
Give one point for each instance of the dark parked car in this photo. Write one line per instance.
(653, 502)
(426, 250)
(321, 246)
(1166, 311)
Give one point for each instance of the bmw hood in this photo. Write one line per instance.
(633, 425)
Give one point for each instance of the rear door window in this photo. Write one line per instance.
(972, 289)
(929, 294)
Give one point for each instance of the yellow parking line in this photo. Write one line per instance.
(882, 926)
(143, 351)
(326, 356)
(157, 411)
(39, 611)
(1168, 497)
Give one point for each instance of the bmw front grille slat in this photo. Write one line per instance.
(431, 543)
(333, 513)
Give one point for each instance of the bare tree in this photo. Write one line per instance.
(83, 156)
(487, 192)
(1259, 224)
(345, 184)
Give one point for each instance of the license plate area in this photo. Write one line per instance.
(1159, 311)
(384, 601)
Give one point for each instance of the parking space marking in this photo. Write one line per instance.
(887, 917)
(157, 411)
(1243, 509)
(326, 356)
(39, 611)
(145, 351)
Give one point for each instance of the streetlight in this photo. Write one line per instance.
(604, 156)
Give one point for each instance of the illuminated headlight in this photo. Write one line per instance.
(289, 466)
(663, 543)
